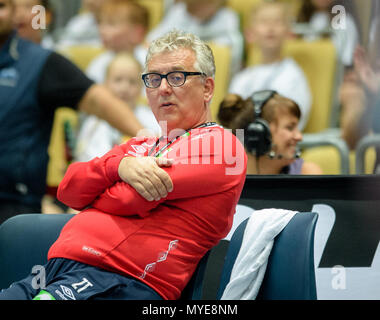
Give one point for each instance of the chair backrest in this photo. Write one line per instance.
(222, 55)
(156, 11)
(318, 61)
(365, 164)
(330, 152)
(24, 243)
(58, 162)
(82, 55)
(290, 273)
(194, 289)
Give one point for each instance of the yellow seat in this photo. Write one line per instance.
(318, 61)
(328, 158)
(364, 156)
(222, 55)
(81, 55)
(243, 8)
(58, 163)
(155, 9)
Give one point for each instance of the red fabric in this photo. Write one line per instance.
(159, 242)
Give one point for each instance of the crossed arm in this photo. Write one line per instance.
(134, 186)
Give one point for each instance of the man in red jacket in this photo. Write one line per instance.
(151, 208)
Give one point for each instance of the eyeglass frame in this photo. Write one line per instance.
(185, 73)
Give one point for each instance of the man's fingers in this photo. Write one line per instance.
(146, 176)
(165, 179)
(148, 193)
(164, 162)
(155, 182)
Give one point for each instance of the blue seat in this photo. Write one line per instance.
(25, 240)
(290, 273)
(24, 243)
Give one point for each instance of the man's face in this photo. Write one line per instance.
(181, 107)
(23, 19)
(6, 16)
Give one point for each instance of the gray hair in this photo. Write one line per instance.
(175, 40)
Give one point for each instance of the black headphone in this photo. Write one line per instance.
(257, 136)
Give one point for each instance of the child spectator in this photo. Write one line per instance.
(82, 29)
(268, 30)
(278, 152)
(123, 26)
(96, 136)
(210, 20)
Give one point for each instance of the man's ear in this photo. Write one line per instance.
(209, 89)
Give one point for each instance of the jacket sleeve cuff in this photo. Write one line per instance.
(112, 166)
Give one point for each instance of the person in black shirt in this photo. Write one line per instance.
(33, 83)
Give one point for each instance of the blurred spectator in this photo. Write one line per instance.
(123, 26)
(34, 82)
(82, 29)
(25, 16)
(360, 97)
(96, 136)
(316, 19)
(275, 152)
(268, 30)
(211, 20)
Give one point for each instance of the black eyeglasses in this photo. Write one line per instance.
(174, 78)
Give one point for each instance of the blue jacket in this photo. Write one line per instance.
(24, 125)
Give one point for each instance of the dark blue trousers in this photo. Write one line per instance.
(70, 280)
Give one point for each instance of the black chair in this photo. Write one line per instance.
(290, 273)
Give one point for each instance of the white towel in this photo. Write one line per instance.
(250, 265)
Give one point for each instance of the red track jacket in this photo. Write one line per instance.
(157, 242)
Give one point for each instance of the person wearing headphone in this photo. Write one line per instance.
(271, 133)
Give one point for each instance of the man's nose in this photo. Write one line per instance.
(165, 87)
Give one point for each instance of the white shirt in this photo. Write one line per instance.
(96, 136)
(223, 28)
(286, 77)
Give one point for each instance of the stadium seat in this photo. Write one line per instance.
(330, 152)
(318, 61)
(155, 9)
(365, 155)
(24, 243)
(290, 273)
(64, 117)
(81, 55)
(222, 55)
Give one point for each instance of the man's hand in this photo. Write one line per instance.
(146, 177)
